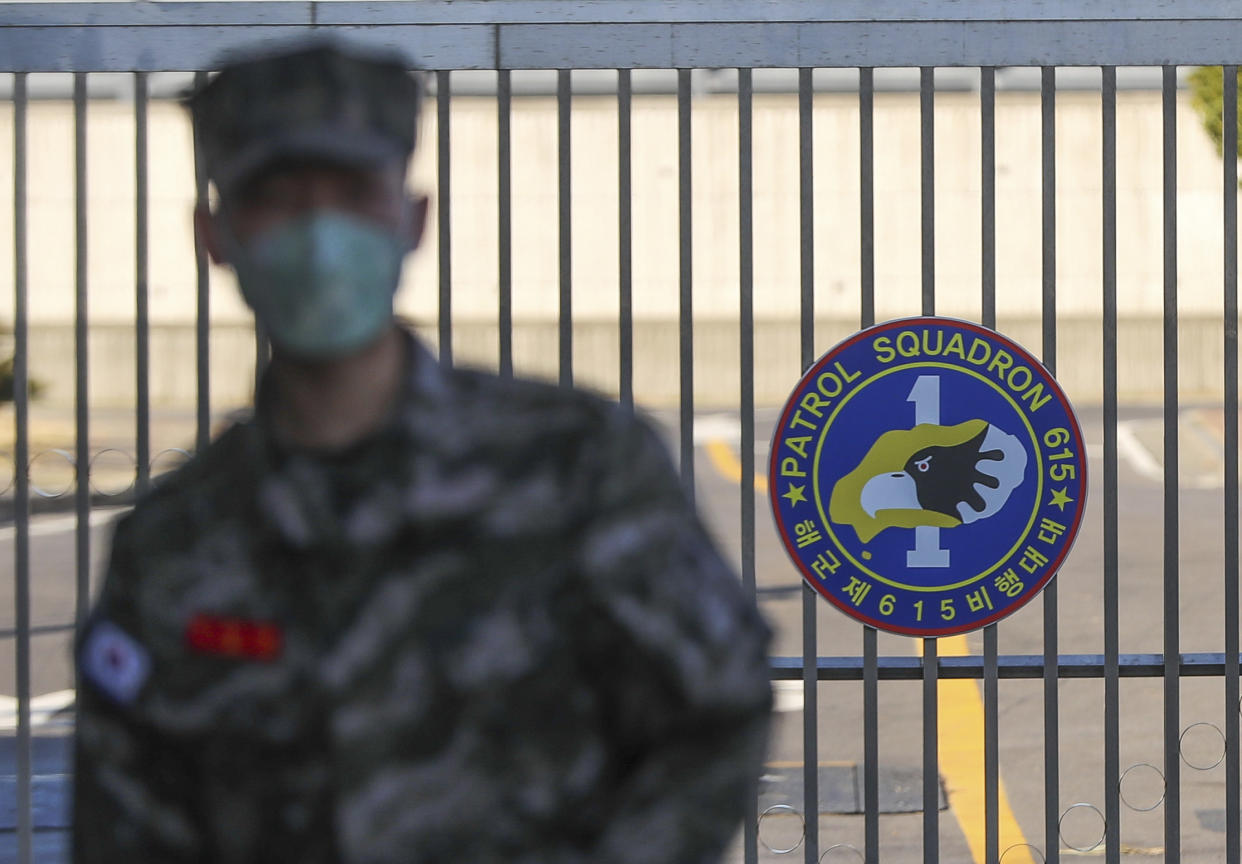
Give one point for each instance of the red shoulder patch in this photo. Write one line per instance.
(238, 638)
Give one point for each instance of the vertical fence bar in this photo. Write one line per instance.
(142, 332)
(564, 186)
(931, 764)
(624, 228)
(806, 214)
(931, 719)
(21, 475)
(1229, 120)
(987, 117)
(746, 354)
(685, 235)
(1112, 630)
(746, 315)
(866, 194)
(871, 746)
(810, 711)
(871, 661)
(202, 323)
(1052, 729)
(262, 353)
(444, 214)
(504, 194)
(991, 684)
(927, 203)
(1172, 640)
(82, 458)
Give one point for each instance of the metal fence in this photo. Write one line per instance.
(687, 35)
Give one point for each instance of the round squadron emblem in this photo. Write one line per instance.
(927, 476)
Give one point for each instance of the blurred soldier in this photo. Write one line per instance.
(406, 613)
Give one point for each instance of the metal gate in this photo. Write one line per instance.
(819, 45)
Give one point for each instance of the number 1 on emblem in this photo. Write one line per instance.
(925, 394)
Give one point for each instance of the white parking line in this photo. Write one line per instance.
(45, 526)
(717, 427)
(787, 696)
(44, 709)
(1130, 448)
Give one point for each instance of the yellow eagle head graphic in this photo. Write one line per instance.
(939, 476)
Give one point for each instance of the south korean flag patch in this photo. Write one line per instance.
(114, 662)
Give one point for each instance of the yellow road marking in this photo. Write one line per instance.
(961, 727)
(727, 465)
(961, 763)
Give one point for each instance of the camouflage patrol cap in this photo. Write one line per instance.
(321, 101)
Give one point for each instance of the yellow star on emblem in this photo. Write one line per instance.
(1060, 498)
(795, 494)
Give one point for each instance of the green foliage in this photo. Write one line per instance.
(1207, 95)
(6, 382)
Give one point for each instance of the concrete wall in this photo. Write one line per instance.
(655, 262)
(596, 350)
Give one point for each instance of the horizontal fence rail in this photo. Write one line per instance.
(608, 34)
(1198, 665)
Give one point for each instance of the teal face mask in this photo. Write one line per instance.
(322, 284)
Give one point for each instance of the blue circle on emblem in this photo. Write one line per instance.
(927, 476)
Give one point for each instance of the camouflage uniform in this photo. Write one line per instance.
(493, 632)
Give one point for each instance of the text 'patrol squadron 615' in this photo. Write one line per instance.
(927, 476)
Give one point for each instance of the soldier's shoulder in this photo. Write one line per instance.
(600, 449)
(522, 408)
(207, 479)
(519, 391)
